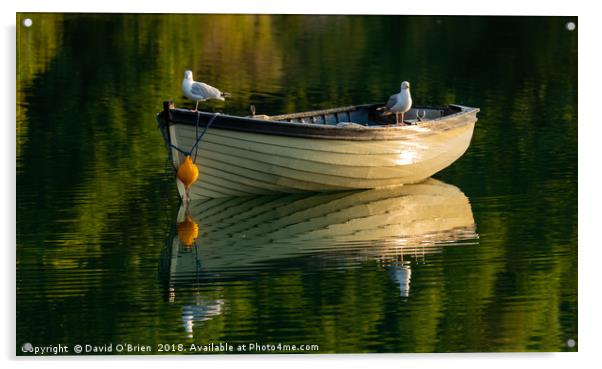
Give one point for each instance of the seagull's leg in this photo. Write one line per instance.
(396, 118)
(197, 105)
(402, 117)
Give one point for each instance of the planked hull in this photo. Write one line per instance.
(240, 163)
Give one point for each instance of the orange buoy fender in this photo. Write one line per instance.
(188, 172)
(188, 231)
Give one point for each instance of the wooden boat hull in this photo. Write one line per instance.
(297, 157)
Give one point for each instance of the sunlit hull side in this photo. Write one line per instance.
(313, 157)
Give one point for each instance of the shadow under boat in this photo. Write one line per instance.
(236, 238)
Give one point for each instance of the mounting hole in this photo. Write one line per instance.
(27, 22)
(571, 26)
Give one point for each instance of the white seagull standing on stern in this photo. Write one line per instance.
(200, 91)
(401, 102)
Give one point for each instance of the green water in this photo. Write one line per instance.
(97, 207)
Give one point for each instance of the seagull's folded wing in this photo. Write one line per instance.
(392, 101)
(203, 89)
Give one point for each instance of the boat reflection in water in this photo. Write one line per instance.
(240, 237)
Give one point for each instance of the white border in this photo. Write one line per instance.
(589, 167)
(429, 7)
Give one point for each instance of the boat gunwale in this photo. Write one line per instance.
(351, 131)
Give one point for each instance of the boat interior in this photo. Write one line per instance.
(365, 115)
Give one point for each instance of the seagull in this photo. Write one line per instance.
(401, 102)
(200, 91)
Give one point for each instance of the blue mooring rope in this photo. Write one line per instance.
(198, 137)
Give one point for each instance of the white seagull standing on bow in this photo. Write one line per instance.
(200, 91)
(401, 102)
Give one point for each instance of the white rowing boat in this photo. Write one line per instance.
(345, 148)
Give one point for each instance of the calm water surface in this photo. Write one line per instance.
(481, 258)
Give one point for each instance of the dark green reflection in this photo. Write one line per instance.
(95, 199)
